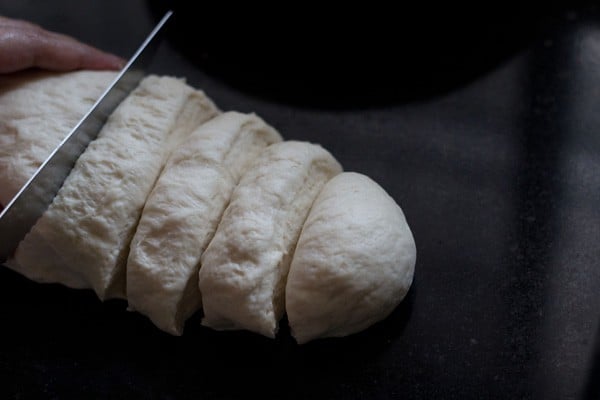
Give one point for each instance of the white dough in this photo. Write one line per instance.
(37, 110)
(182, 213)
(354, 261)
(244, 268)
(82, 240)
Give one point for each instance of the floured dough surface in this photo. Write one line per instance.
(244, 268)
(354, 261)
(82, 240)
(37, 110)
(182, 214)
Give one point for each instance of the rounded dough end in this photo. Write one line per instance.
(354, 261)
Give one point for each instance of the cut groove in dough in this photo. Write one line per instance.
(245, 265)
(182, 214)
(83, 239)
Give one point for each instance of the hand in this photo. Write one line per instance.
(25, 45)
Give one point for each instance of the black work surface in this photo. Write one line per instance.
(497, 171)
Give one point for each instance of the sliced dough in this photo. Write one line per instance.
(82, 240)
(354, 261)
(182, 213)
(37, 110)
(245, 265)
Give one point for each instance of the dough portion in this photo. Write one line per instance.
(245, 266)
(354, 261)
(37, 111)
(182, 213)
(82, 240)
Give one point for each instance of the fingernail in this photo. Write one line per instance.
(119, 62)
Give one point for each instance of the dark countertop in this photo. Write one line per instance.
(498, 173)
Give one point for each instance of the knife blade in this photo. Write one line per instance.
(23, 211)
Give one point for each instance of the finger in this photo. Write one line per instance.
(24, 47)
(16, 51)
(61, 52)
(19, 23)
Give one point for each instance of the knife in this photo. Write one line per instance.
(23, 211)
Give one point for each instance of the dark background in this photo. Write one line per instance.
(482, 122)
